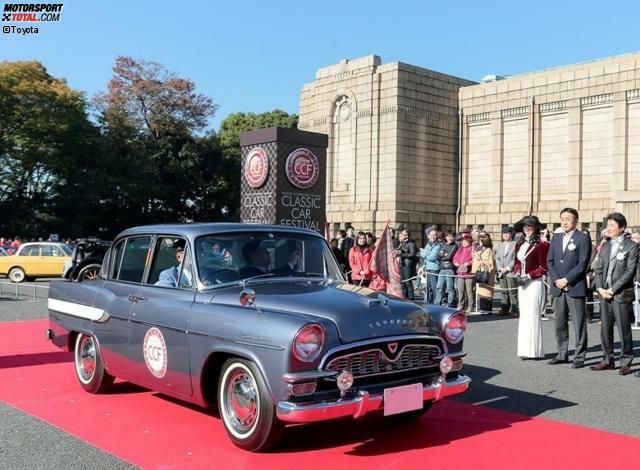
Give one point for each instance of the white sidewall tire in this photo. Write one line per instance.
(17, 275)
(76, 356)
(222, 395)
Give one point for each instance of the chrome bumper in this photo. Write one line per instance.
(362, 404)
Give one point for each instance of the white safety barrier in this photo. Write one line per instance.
(32, 292)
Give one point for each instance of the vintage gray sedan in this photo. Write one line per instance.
(259, 321)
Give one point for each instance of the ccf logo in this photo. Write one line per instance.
(154, 351)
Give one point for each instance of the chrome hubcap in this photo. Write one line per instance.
(86, 358)
(241, 401)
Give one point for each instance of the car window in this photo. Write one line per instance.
(51, 250)
(171, 266)
(248, 254)
(32, 250)
(116, 258)
(130, 257)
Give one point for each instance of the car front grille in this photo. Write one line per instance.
(376, 361)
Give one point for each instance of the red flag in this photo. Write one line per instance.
(385, 263)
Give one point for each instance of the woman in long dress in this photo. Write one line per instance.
(530, 267)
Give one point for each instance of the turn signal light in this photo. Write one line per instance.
(299, 390)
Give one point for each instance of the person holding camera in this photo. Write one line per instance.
(529, 268)
(447, 276)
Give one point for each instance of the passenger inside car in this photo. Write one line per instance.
(258, 260)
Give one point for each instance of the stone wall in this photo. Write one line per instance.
(545, 140)
(393, 136)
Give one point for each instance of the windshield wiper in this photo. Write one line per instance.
(259, 276)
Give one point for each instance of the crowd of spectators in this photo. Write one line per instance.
(11, 245)
(532, 269)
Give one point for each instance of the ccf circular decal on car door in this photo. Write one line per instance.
(155, 352)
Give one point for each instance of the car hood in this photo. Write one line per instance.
(358, 313)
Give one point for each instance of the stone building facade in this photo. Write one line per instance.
(393, 143)
(403, 139)
(542, 141)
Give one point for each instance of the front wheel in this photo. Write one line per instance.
(17, 275)
(246, 407)
(89, 367)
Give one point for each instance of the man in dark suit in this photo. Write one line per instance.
(568, 261)
(615, 275)
(258, 260)
(407, 252)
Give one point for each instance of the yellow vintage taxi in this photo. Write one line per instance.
(36, 259)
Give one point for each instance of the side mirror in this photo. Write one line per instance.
(247, 297)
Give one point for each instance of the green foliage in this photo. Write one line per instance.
(44, 131)
(148, 158)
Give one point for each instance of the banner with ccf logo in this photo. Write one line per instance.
(284, 178)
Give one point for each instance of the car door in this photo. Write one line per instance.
(51, 261)
(124, 272)
(29, 259)
(160, 321)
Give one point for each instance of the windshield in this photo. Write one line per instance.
(68, 251)
(229, 257)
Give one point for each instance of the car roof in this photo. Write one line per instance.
(193, 230)
(40, 243)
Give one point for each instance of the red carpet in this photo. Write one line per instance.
(153, 431)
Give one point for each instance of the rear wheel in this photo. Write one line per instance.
(17, 275)
(89, 366)
(89, 272)
(246, 408)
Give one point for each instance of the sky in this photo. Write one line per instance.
(254, 56)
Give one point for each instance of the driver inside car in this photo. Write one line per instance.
(169, 277)
(258, 261)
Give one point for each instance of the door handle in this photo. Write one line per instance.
(136, 298)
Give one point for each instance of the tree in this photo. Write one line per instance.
(44, 132)
(229, 135)
(152, 120)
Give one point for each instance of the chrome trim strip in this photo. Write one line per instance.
(361, 405)
(382, 339)
(78, 310)
(307, 376)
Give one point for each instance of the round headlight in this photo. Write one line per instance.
(454, 329)
(308, 342)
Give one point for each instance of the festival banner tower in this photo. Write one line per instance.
(284, 178)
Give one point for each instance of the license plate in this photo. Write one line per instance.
(402, 399)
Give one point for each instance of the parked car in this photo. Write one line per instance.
(35, 259)
(86, 259)
(259, 321)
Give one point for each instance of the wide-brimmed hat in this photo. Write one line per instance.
(528, 220)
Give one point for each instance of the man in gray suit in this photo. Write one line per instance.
(568, 261)
(505, 258)
(615, 274)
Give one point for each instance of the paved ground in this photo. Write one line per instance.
(602, 400)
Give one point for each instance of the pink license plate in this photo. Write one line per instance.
(402, 399)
